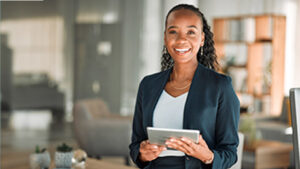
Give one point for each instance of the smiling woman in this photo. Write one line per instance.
(193, 95)
(206, 54)
(183, 35)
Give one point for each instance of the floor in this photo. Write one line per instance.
(21, 131)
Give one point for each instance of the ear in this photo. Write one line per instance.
(202, 38)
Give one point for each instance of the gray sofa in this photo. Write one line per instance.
(100, 132)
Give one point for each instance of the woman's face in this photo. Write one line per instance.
(183, 35)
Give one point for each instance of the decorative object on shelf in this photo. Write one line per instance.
(63, 156)
(40, 159)
(236, 54)
(79, 159)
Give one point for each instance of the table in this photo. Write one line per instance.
(100, 164)
(270, 154)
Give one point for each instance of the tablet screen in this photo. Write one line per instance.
(160, 135)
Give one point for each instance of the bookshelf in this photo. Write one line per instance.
(251, 50)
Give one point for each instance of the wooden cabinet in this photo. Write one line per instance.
(269, 154)
(251, 50)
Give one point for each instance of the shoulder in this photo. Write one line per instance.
(221, 84)
(213, 77)
(153, 79)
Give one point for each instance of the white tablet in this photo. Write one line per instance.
(160, 135)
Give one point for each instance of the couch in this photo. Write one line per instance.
(100, 132)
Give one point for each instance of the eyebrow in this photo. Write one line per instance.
(191, 26)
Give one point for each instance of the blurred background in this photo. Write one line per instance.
(64, 62)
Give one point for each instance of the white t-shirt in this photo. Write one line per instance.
(168, 113)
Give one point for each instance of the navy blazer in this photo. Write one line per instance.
(211, 107)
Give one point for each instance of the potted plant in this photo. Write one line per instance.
(63, 156)
(248, 128)
(40, 159)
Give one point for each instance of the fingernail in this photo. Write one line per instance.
(172, 140)
(164, 148)
(155, 147)
(167, 142)
(182, 139)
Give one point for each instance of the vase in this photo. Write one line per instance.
(40, 160)
(63, 159)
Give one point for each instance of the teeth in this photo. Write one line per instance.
(181, 50)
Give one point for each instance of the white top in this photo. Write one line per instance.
(168, 113)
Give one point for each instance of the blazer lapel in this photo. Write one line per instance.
(156, 91)
(196, 86)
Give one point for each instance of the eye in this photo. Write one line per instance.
(190, 32)
(172, 32)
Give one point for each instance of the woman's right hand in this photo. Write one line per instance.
(149, 152)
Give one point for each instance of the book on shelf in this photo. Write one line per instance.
(248, 29)
(236, 30)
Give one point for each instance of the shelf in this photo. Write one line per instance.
(251, 50)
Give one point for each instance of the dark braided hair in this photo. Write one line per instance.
(209, 57)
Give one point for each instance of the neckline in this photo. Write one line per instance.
(184, 94)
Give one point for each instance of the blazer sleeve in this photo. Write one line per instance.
(138, 133)
(226, 134)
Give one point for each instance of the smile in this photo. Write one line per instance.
(182, 51)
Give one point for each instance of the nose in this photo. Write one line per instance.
(181, 38)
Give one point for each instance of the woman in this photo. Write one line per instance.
(187, 94)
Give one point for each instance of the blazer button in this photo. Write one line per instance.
(187, 158)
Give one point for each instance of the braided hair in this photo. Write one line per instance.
(209, 57)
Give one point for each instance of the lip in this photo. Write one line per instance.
(182, 52)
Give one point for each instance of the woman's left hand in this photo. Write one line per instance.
(198, 150)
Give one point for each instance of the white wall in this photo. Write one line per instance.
(296, 76)
(132, 62)
(151, 37)
(168, 4)
(66, 11)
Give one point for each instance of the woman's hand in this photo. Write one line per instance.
(149, 152)
(199, 151)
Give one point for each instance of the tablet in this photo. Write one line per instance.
(160, 135)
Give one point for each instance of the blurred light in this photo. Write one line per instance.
(288, 131)
(30, 119)
(290, 10)
(104, 48)
(110, 17)
(96, 87)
